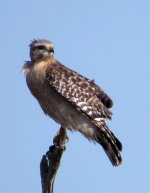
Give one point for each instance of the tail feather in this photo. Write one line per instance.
(111, 145)
(118, 143)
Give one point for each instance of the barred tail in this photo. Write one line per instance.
(111, 145)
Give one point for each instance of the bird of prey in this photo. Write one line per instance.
(72, 100)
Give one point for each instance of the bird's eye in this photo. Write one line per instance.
(41, 47)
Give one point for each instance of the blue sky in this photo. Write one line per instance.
(104, 40)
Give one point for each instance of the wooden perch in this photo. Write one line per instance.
(51, 161)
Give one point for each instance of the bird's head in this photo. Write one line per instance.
(41, 49)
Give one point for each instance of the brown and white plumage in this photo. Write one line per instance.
(69, 98)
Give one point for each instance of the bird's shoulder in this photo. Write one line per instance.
(61, 76)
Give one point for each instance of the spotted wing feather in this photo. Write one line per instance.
(105, 99)
(78, 90)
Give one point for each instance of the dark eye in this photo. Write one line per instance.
(41, 47)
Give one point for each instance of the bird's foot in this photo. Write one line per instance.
(61, 138)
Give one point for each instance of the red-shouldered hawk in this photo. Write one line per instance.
(72, 100)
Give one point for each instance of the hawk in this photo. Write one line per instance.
(72, 100)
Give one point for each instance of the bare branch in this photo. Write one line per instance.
(51, 161)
